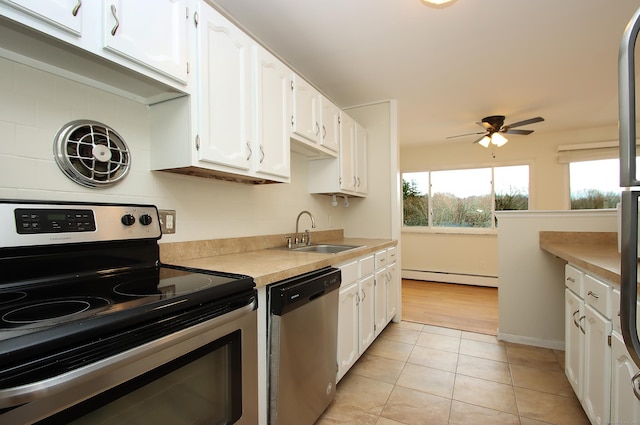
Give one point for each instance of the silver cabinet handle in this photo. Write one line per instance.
(115, 16)
(250, 150)
(635, 383)
(593, 294)
(364, 295)
(261, 154)
(357, 298)
(76, 8)
(575, 322)
(324, 131)
(580, 324)
(570, 279)
(317, 131)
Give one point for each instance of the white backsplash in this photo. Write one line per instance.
(35, 104)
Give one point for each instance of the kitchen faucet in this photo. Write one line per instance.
(306, 232)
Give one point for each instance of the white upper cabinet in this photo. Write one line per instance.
(225, 92)
(235, 126)
(147, 41)
(273, 110)
(62, 14)
(346, 175)
(305, 122)
(150, 32)
(330, 132)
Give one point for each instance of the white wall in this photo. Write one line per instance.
(35, 104)
(531, 294)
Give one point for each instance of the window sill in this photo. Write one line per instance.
(450, 230)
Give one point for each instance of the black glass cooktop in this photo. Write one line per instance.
(107, 296)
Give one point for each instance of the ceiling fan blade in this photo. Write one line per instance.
(463, 135)
(523, 132)
(525, 122)
(476, 141)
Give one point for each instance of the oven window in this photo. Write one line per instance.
(202, 387)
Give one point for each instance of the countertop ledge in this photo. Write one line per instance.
(253, 256)
(596, 252)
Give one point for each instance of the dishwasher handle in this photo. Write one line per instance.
(293, 293)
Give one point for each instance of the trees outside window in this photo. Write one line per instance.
(594, 184)
(464, 198)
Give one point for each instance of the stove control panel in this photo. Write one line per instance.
(72, 222)
(30, 221)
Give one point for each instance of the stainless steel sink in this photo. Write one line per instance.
(323, 248)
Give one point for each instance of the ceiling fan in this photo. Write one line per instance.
(494, 128)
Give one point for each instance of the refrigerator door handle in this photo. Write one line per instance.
(629, 273)
(627, 102)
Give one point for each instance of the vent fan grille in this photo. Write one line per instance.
(91, 154)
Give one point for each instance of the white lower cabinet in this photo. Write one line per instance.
(597, 366)
(364, 307)
(625, 406)
(574, 341)
(597, 362)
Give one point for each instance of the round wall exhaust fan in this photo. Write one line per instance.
(91, 153)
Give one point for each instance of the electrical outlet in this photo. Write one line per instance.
(167, 221)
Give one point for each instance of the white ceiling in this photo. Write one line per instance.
(450, 67)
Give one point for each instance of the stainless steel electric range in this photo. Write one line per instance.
(92, 325)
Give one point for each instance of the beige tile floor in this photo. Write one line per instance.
(422, 374)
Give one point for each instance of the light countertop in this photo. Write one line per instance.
(596, 252)
(267, 265)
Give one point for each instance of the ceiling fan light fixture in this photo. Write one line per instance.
(485, 141)
(498, 139)
(438, 3)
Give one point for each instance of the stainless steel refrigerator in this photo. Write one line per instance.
(630, 183)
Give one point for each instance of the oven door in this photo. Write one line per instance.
(203, 374)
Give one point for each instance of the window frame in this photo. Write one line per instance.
(493, 230)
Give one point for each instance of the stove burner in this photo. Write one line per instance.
(9, 297)
(52, 310)
(165, 287)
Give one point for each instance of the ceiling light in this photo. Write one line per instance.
(440, 3)
(485, 141)
(498, 139)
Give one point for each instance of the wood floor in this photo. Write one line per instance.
(464, 307)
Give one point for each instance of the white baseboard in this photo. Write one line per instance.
(465, 279)
(525, 340)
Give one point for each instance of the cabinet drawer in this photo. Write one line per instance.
(391, 255)
(597, 294)
(573, 280)
(366, 266)
(349, 273)
(381, 259)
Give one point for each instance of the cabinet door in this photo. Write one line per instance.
(347, 153)
(348, 350)
(625, 406)
(330, 125)
(150, 32)
(380, 313)
(62, 14)
(361, 159)
(574, 341)
(306, 110)
(366, 313)
(597, 367)
(273, 99)
(224, 92)
(392, 291)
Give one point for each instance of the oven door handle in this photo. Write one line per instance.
(175, 345)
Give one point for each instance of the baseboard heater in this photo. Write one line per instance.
(445, 277)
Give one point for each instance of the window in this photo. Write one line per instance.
(594, 184)
(464, 198)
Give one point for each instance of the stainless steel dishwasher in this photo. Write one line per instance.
(303, 327)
